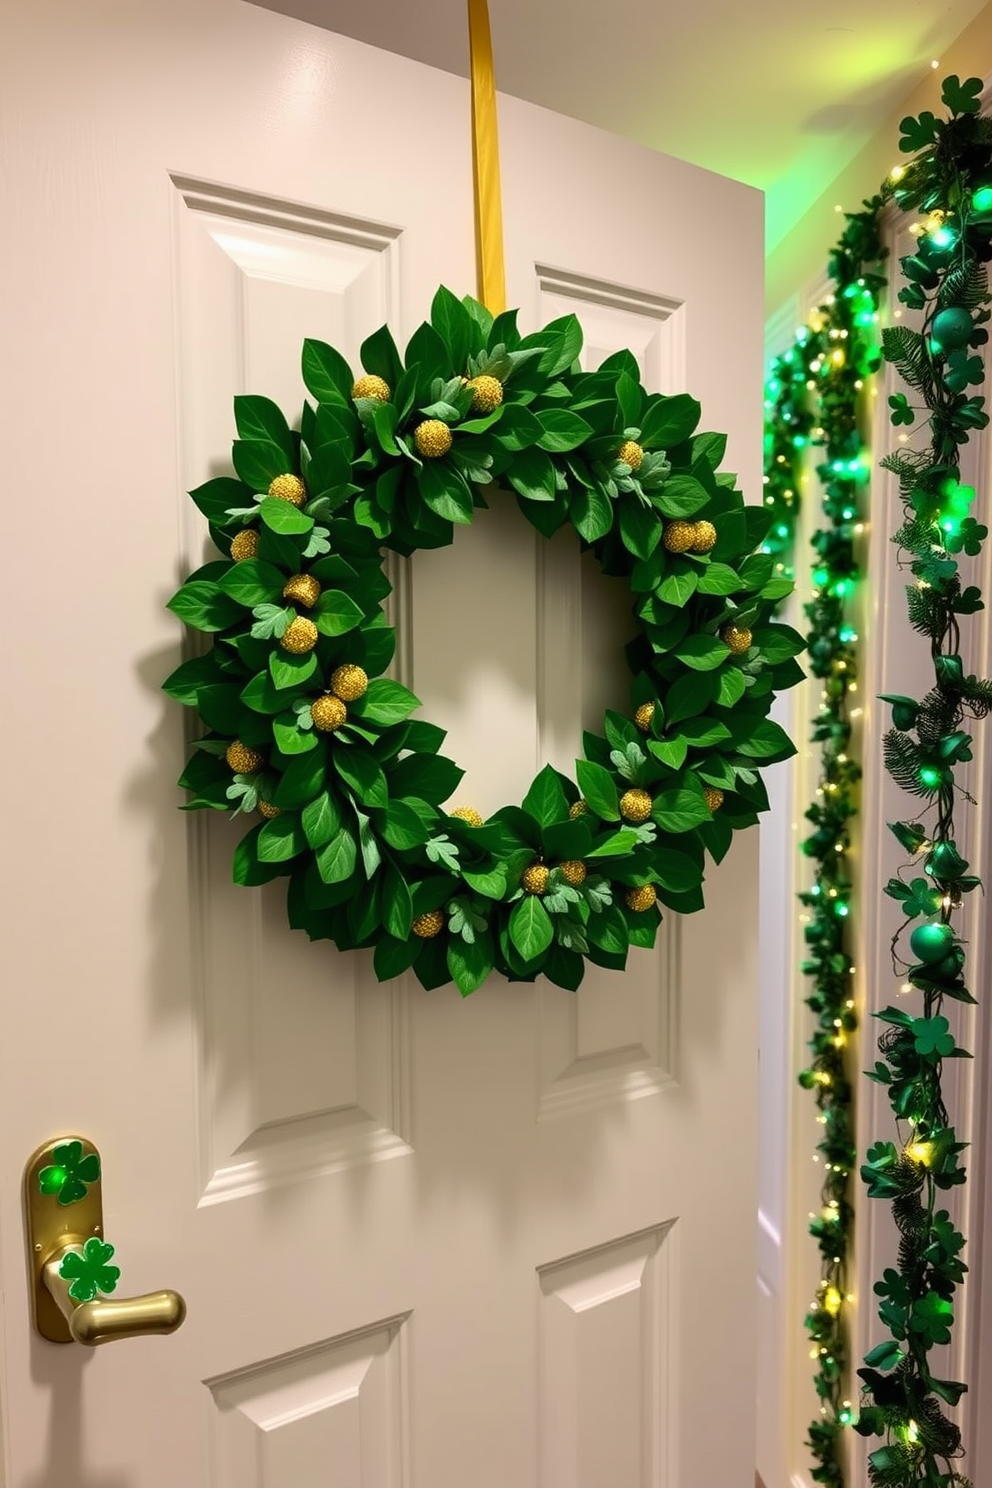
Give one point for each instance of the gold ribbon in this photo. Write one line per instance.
(490, 268)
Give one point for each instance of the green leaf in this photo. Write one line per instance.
(336, 859)
(677, 588)
(599, 789)
(326, 374)
(360, 769)
(290, 738)
(291, 671)
(669, 421)
(335, 613)
(380, 357)
(768, 741)
(563, 342)
(702, 652)
(640, 527)
(445, 492)
(252, 582)
(281, 839)
(592, 513)
(671, 752)
(321, 820)
(260, 419)
(718, 578)
(397, 905)
(680, 809)
(283, 517)
(190, 677)
(777, 643)
(453, 324)
(202, 606)
(546, 800)
(215, 498)
(702, 732)
(402, 828)
(386, 702)
(732, 687)
(301, 780)
(530, 927)
(518, 429)
(258, 462)
(562, 430)
(470, 962)
(617, 844)
(681, 496)
(532, 475)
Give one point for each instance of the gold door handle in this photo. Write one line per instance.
(104, 1320)
(70, 1260)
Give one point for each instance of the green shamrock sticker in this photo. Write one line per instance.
(70, 1173)
(88, 1271)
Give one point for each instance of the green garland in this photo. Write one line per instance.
(813, 396)
(846, 354)
(950, 181)
(350, 787)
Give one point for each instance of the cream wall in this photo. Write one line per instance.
(801, 256)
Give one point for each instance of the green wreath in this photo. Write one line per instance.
(350, 787)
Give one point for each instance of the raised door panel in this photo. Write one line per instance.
(302, 1053)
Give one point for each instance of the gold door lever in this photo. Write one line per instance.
(70, 1260)
(100, 1321)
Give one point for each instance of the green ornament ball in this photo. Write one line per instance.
(930, 943)
(952, 328)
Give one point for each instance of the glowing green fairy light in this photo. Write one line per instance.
(981, 200)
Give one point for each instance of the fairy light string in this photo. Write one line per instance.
(842, 352)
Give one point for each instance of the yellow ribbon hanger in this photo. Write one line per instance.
(490, 268)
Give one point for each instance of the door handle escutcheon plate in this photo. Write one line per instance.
(63, 1206)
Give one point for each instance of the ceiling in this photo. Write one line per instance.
(782, 97)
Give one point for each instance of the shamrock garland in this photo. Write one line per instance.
(950, 182)
(303, 728)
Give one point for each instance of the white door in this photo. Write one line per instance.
(425, 1243)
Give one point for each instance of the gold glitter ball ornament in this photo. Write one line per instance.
(713, 797)
(635, 805)
(266, 809)
(432, 438)
(487, 393)
(372, 387)
(242, 759)
(428, 925)
(643, 717)
(578, 808)
(631, 454)
(573, 872)
(244, 545)
(289, 488)
(467, 814)
(299, 637)
(642, 898)
(705, 538)
(328, 713)
(679, 537)
(349, 682)
(535, 878)
(304, 589)
(739, 640)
